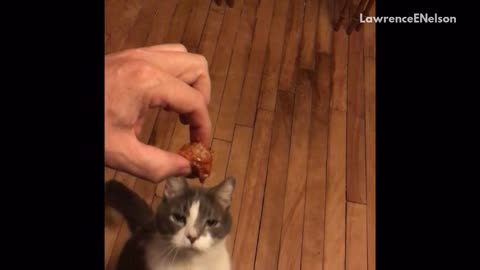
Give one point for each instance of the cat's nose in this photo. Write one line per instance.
(192, 238)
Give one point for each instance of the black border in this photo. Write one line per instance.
(425, 122)
(53, 150)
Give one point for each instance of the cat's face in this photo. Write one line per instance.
(195, 218)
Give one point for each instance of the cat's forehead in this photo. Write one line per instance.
(206, 201)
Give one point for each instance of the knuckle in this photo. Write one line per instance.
(140, 70)
(202, 62)
(180, 47)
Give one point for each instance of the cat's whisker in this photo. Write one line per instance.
(167, 251)
(174, 256)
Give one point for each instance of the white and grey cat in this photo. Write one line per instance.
(188, 230)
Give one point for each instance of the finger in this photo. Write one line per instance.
(138, 126)
(154, 164)
(190, 68)
(167, 48)
(181, 98)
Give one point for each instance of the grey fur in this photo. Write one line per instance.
(213, 217)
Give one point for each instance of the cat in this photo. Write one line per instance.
(188, 230)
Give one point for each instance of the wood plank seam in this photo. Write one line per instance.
(228, 70)
(356, 160)
(326, 162)
(370, 96)
(242, 194)
(288, 78)
(346, 151)
(249, 116)
(255, 175)
(306, 174)
(211, 10)
(327, 126)
(203, 28)
(365, 125)
(263, 199)
(283, 209)
(236, 77)
(335, 178)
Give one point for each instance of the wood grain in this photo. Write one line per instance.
(307, 51)
(293, 214)
(370, 120)
(335, 211)
(237, 167)
(294, 36)
(222, 58)
(110, 232)
(314, 226)
(250, 213)
(275, 52)
(179, 21)
(196, 23)
(208, 42)
(119, 18)
(251, 87)
(161, 22)
(356, 254)
(272, 214)
(233, 86)
(221, 149)
(369, 36)
(356, 177)
(325, 26)
(112, 9)
(138, 34)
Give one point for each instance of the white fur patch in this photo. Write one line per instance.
(192, 218)
(215, 258)
(180, 239)
(204, 242)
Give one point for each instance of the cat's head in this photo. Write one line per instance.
(192, 217)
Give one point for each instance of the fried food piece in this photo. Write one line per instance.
(200, 159)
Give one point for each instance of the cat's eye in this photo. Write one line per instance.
(178, 218)
(212, 222)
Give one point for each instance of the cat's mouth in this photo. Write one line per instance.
(187, 251)
(192, 249)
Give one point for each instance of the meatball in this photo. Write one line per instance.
(200, 159)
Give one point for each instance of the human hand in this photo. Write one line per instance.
(136, 80)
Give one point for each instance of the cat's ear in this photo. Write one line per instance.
(175, 186)
(223, 192)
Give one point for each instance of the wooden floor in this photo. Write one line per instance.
(293, 108)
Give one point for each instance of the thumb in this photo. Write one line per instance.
(155, 164)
